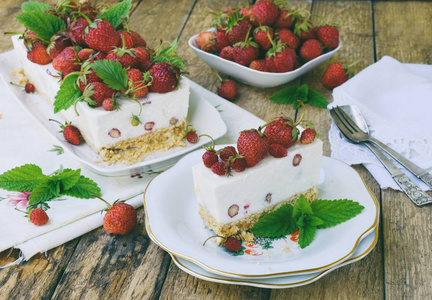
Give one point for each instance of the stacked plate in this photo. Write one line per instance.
(173, 223)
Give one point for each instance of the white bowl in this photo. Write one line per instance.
(254, 77)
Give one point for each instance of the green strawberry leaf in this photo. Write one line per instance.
(116, 14)
(276, 224)
(21, 179)
(67, 94)
(43, 24)
(112, 73)
(168, 54)
(35, 6)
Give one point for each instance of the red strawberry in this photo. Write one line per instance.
(210, 158)
(227, 53)
(137, 83)
(308, 136)
(124, 56)
(138, 40)
(263, 36)
(233, 244)
(76, 31)
(286, 36)
(259, 65)
(38, 54)
(109, 104)
(304, 29)
(67, 61)
(335, 75)
(220, 41)
(127, 39)
(227, 152)
(264, 12)
(85, 54)
(204, 41)
(98, 92)
(142, 58)
(191, 135)
(285, 19)
(102, 36)
(29, 88)
(228, 90)
(164, 77)
(310, 49)
(237, 163)
(245, 52)
(328, 36)
(70, 133)
(219, 168)
(278, 151)
(238, 30)
(253, 145)
(120, 218)
(280, 58)
(38, 216)
(57, 44)
(283, 131)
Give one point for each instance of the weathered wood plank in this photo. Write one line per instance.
(407, 228)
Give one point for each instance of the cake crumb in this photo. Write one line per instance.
(286, 249)
(20, 75)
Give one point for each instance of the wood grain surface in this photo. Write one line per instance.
(102, 266)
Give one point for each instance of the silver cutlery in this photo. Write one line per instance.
(352, 125)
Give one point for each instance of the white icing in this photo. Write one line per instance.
(248, 189)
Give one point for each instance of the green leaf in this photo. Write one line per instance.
(21, 179)
(68, 178)
(316, 99)
(116, 14)
(67, 94)
(301, 207)
(285, 96)
(169, 55)
(334, 212)
(35, 6)
(45, 191)
(43, 24)
(277, 223)
(84, 189)
(112, 73)
(301, 94)
(306, 235)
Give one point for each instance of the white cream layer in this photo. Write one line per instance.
(95, 124)
(275, 178)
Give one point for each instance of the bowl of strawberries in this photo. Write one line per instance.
(265, 45)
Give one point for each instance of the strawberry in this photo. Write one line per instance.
(238, 30)
(127, 39)
(245, 52)
(259, 65)
(96, 92)
(220, 41)
(278, 151)
(38, 54)
(282, 130)
(335, 75)
(220, 20)
(38, 216)
(280, 58)
(308, 136)
(124, 56)
(109, 104)
(142, 58)
(219, 168)
(253, 145)
(57, 44)
(120, 218)
(137, 83)
(310, 49)
(70, 133)
(237, 163)
(263, 35)
(85, 54)
(227, 152)
(328, 36)
(204, 41)
(233, 244)
(227, 53)
(286, 36)
(264, 12)
(164, 77)
(285, 19)
(29, 88)
(67, 61)
(76, 31)
(304, 29)
(209, 157)
(138, 39)
(228, 90)
(246, 12)
(102, 36)
(191, 135)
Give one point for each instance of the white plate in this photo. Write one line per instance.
(172, 222)
(363, 249)
(254, 77)
(202, 115)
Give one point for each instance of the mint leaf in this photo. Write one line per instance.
(21, 179)
(306, 235)
(67, 94)
(301, 207)
(84, 189)
(34, 6)
(112, 73)
(301, 94)
(68, 178)
(116, 14)
(45, 191)
(277, 223)
(334, 212)
(285, 96)
(43, 24)
(316, 99)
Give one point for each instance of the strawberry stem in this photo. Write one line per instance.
(214, 236)
(100, 198)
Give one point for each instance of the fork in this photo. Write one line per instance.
(353, 133)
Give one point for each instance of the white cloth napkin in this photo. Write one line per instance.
(23, 141)
(396, 101)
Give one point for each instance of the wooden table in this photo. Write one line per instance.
(101, 266)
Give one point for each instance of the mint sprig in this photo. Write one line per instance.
(320, 214)
(43, 24)
(112, 73)
(67, 94)
(29, 178)
(291, 94)
(116, 14)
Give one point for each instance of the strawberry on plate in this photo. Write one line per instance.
(253, 145)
